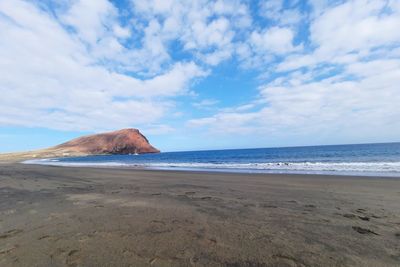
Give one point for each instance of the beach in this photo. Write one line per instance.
(75, 216)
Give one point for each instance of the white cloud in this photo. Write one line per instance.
(88, 18)
(121, 32)
(356, 26)
(265, 45)
(205, 103)
(368, 105)
(349, 32)
(51, 80)
(276, 11)
(206, 29)
(347, 88)
(274, 40)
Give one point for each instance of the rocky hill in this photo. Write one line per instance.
(125, 141)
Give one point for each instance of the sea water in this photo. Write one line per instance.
(361, 159)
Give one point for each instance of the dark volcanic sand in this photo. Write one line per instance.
(56, 216)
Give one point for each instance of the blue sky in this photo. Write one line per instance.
(200, 74)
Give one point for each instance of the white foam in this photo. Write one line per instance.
(359, 167)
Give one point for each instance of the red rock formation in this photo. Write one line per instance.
(126, 141)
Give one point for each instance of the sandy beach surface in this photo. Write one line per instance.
(59, 216)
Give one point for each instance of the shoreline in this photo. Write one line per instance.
(375, 160)
(123, 217)
(213, 170)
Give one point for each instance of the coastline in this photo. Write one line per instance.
(376, 160)
(115, 165)
(86, 216)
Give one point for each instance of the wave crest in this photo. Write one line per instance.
(360, 167)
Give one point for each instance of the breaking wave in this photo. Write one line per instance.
(279, 167)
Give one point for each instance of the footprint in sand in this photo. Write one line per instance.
(309, 207)
(349, 216)
(10, 233)
(8, 249)
(363, 231)
(353, 216)
(73, 258)
(364, 218)
(152, 261)
(43, 237)
(360, 210)
(212, 240)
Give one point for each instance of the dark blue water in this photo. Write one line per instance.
(364, 159)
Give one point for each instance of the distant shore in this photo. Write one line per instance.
(122, 217)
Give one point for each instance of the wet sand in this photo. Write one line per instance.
(58, 216)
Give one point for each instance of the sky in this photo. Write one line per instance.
(194, 75)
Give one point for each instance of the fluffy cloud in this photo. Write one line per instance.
(88, 19)
(356, 26)
(205, 29)
(277, 12)
(52, 79)
(344, 83)
(274, 40)
(292, 106)
(349, 32)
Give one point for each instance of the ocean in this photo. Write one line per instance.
(361, 159)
